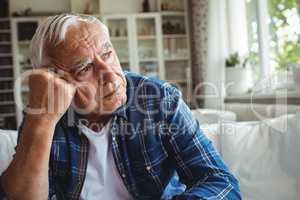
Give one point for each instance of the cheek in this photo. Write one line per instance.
(86, 93)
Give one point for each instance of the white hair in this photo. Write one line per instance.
(52, 31)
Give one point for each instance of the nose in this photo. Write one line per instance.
(103, 71)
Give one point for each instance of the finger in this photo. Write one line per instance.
(66, 76)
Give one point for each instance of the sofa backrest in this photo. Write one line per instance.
(263, 155)
(258, 112)
(8, 141)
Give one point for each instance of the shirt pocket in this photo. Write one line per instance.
(152, 170)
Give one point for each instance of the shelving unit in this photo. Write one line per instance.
(120, 38)
(156, 44)
(140, 49)
(176, 41)
(23, 29)
(7, 105)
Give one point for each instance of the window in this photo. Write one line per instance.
(284, 34)
(273, 36)
(252, 25)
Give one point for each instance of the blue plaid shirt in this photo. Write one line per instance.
(158, 147)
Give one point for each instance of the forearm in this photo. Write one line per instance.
(27, 175)
(215, 186)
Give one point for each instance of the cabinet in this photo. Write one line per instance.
(156, 44)
(7, 105)
(137, 39)
(23, 30)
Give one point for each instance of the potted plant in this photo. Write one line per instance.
(238, 76)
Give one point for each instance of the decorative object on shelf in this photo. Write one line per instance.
(170, 28)
(117, 32)
(85, 6)
(238, 77)
(146, 6)
(172, 6)
(164, 6)
(88, 7)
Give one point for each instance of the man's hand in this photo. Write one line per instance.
(50, 94)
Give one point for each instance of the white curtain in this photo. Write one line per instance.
(216, 54)
(219, 28)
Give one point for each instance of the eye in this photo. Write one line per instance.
(106, 55)
(84, 70)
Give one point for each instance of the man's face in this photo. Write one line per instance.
(87, 55)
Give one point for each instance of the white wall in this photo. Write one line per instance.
(40, 5)
(120, 6)
(106, 6)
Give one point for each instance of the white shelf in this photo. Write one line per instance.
(24, 42)
(148, 60)
(146, 37)
(176, 36)
(176, 59)
(124, 61)
(26, 67)
(172, 13)
(119, 38)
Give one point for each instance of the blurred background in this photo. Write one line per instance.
(236, 62)
(222, 54)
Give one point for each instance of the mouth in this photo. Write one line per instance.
(117, 87)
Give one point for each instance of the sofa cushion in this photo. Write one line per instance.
(8, 141)
(211, 116)
(265, 157)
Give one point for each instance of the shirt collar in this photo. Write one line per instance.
(71, 118)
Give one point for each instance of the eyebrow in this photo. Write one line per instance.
(82, 63)
(106, 46)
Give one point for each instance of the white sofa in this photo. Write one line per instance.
(264, 155)
(8, 141)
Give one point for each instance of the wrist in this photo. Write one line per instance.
(39, 123)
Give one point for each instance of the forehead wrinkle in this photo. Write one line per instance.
(83, 41)
(76, 34)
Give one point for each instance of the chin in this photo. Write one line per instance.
(102, 107)
(112, 104)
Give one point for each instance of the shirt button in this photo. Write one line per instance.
(148, 168)
(123, 175)
(114, 138)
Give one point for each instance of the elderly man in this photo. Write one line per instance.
(101, 133)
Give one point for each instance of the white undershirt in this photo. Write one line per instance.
(102, 179)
